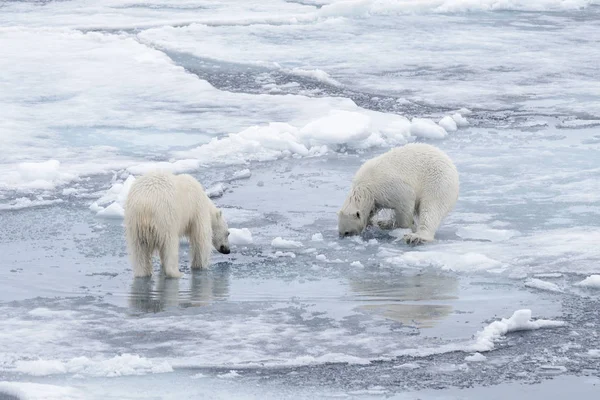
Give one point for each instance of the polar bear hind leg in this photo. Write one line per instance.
(169, 255)
(140, 251)
(430, 215)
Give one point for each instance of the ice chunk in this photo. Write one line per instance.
(280, 243)
(426, 128)
(229, 375)
(461, 121)
(117, 197)
(520, 321)
(549, 275)
(543, 285)
(243, 174)
(279, 254)
(447, 261)
(321, 257)
(485, 232)
(448, 124)
(357, 264)
(477, 357)
(216, 190)
(337, 127)
(316, 74)
(36, 175)
(317, 237)
(592, 281)
(240, 237)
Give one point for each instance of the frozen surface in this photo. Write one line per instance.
(273, 107)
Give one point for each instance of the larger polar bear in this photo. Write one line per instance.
(161, 208)
(415, 180)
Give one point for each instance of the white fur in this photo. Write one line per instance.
(415, 180)
(161, 208)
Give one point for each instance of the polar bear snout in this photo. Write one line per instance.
(224, 249)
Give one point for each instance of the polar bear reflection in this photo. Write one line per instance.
(205, 288)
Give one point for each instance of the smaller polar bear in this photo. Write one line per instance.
(415, 180)
(161, 208)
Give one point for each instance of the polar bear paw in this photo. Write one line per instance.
(413, 239)
(175, 274)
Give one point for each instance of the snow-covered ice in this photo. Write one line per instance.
(592, 281)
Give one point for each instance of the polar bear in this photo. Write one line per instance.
(415, 180)
(161, 208)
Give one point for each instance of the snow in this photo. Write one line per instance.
(39, 391)
(240, 237)
(543, 285)
(592, 281)
(122, 365)
(426, 128)
(280, 243)
(357, 264)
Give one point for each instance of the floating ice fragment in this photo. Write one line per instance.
(243, 174)
(317, 237)
(448, 124)
(461, 121)
(240, 237)
(543, 285)
(280, 243)
(520, 321)
(216, 190)
(426, 128)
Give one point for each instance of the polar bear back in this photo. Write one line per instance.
(164, 201)
(423, 167)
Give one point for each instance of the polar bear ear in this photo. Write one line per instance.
(358, 214)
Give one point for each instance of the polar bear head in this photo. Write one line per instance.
(220, 232)
(350, 222)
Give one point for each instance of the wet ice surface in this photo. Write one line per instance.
(293, 311)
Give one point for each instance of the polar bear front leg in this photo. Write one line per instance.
(169, 256)
(200, 245)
